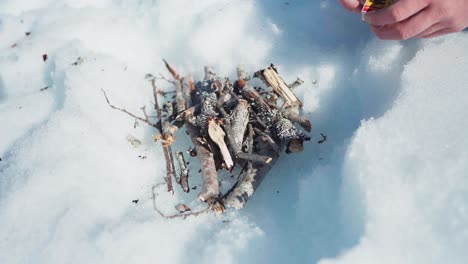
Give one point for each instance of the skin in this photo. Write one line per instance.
(407, 19)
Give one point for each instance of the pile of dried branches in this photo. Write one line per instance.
(230, 124)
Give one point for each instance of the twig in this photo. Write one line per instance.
(156, 105)
(303, 121)
(210, 188)
(217, 134)
(267, 139)
(271, 78)
(251, 145)
(128, 113)
(180, 215)
(170, 172)
(324, 138)
(143, 109)
(180, 102)
(220, 104)
(172, 71)
(296, 84)
(209, 73)
(162, 77)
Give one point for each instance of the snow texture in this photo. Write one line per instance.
(388, 186)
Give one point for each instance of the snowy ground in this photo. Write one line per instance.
(389, 186)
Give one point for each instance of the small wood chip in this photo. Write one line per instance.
(324, 138)
(182, 208)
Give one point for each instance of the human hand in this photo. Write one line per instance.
(353, 5)
(415, 18)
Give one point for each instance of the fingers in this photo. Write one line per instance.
(406, 29)
(432, 29)
(440, 33)
(351, 5)
(395, 13)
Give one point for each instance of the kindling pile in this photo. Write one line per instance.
(231, 124)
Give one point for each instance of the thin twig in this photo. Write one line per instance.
(143, 109)
(126, 112)
(156, 105)
(324, 138)
(172, 71)
(251, 145)
(180, 215)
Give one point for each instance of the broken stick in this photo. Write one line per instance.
(184, 172)
(271, 78)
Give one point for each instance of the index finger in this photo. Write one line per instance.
(352, 5)
(395, 13)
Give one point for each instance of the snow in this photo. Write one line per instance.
(388, 186)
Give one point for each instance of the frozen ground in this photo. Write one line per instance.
(389, 186)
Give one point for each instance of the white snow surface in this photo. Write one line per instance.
(390, 185)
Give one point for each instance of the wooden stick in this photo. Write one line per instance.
(267, 139)
(241, 75)
(254, 158)
(156, 105)
(180, 101)
(170, 172)
(217, 134)
(236, 125)
(296, 84)
(251, 145)
(250, 180)
(172, 71)
(209, 73)
(271, 78)
(303, 121)
(210, 188)
(184, 172)
(220, 104)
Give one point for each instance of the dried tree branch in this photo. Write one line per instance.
(128, 113)
(167, 133)
(210, 188)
